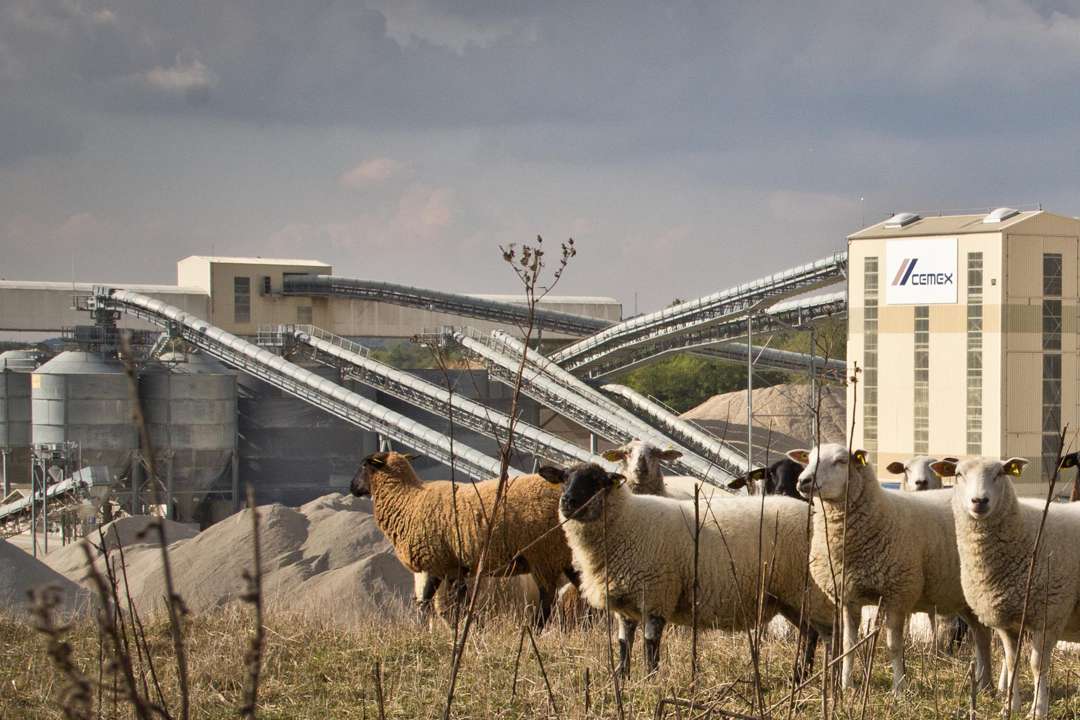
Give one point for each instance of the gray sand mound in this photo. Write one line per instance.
(326, 557)
(20, 572)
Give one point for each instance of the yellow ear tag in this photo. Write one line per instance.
(860, 457)
(1015, 469)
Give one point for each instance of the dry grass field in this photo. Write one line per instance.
(316, 669)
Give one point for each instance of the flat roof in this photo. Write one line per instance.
(256, 261)
(942, 225)
(89, 287)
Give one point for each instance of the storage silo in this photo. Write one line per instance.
(15, 435)
(190, 405)
(84, 397)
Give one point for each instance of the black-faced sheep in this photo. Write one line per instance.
(780, 478)
(419, 520)
(995, 532)
(895, 548)
(635, 554)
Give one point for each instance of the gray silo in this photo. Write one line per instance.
(15, 436)
(190, 406)
(84, 397)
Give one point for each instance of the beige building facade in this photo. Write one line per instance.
(964, 328)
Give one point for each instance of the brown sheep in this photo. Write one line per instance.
(418, 519)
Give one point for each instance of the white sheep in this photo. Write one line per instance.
(635, 553)
(895, 548)
(639, 462)
(996, 533)
(418, 519)
(917, 473)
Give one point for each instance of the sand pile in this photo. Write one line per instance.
(784, 410)
(327, 556)
(20, 572)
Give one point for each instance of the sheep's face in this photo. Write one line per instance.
(827, 470)
(393, 465)
(918, 474)
(640, 461)
(585, 491)
(361, 482)
(981, 484)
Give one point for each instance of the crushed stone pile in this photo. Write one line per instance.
(782, 414)
(327, 557)
(21, 572)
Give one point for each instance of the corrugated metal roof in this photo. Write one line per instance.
(942, 225)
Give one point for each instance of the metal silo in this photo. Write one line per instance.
(15, 438)
(190, 406)
(84, 397)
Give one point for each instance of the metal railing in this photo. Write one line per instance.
(438, 301)
(299, 382)
(335, 351)
(697, 315)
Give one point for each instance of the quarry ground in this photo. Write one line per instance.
(318, 669)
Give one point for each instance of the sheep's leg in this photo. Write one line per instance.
(572, 575)
(1009, 640)
(428, 585)
(459, 592)
(852, 618)
(981, 635)
(1041, 653)
(894, 638)
(627, 628)
(959, 630)
(654, 628)
(809, 635)
(547, 600)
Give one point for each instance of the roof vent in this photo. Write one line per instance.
(999, 214)
(903, 219)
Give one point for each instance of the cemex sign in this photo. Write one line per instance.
(920, 272)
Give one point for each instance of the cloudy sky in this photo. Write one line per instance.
(685, 146)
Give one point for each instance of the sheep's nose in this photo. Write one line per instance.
(920, 483)
(980, 504)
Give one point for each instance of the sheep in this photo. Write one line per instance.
(639, 461)
(418, 520)
(918, 475)
(780, 478)
(635, 553)
(995, 533)
(900, 551)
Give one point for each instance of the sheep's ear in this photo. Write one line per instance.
(895, 467)
(952, 459)
(800, 456)
(376, 460)
(614, 454)
(1069, 461)
(944, 468)
(552, 474)
(859, 456)
(669, 455)
(1014, 466)
(737, 484)
(759, 473)
(615, 478)
(411, 456)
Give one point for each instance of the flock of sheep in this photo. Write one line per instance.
(627, 542)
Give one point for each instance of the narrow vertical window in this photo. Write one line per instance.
(242, 300)
(922, 379)
(974, 352)
(1051, 365)
(870, 353)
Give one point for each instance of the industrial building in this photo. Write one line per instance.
(964, 328)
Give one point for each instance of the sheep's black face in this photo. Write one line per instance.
(361, 482)
(583, 494)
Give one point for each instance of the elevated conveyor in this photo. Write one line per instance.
(773, 359)
(782, 316)
(297, 381)
(335, 351)
(686, 433)
(444, 302)
(606, 419)
(696, 316)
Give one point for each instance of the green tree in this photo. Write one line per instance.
(686, 380)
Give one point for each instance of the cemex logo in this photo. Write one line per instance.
(907, 275)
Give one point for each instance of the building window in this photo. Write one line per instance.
(870, 352)
(1051, 366)
(242, 300)
(304, 315)
(974, 352)
(922, 379)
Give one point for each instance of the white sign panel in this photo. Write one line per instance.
(920, 272)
